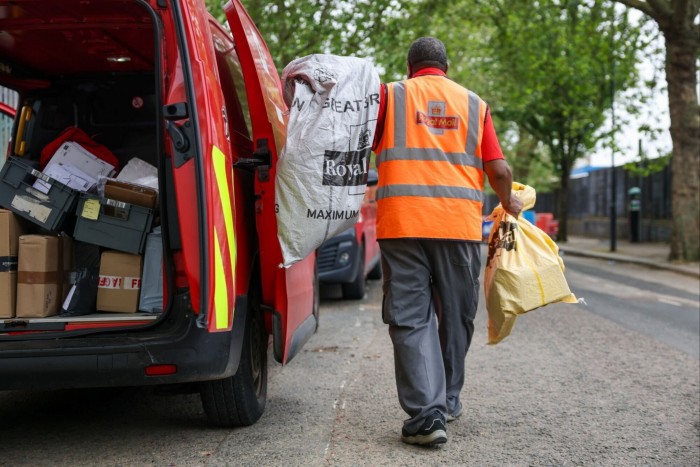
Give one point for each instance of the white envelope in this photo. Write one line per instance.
(76, 167)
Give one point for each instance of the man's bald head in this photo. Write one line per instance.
(427, 52)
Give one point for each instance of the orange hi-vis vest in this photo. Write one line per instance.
(431, 176)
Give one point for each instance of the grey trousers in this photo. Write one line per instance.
(431, 292)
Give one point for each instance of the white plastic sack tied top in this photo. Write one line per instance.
(322, 170)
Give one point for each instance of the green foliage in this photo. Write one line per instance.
(548, 68)
(645, 167)
(374, 29)
(545, 67)
(529, 159)
(552, 69)
(216, 8)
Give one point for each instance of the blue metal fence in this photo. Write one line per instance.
(590, 200)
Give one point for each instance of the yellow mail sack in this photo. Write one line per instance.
(523, 269)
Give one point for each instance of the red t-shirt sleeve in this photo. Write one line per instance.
(490, 147)
(379, 131)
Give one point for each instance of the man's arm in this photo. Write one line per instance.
(497, 169)
(501, 180)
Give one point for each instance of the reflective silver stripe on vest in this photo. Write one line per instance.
(473, 130)
(430, 191)
(431, 154)
(399, 115)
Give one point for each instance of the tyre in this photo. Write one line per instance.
(240, 400)
(355, 290)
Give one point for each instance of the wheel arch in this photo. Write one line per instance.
(241, 309)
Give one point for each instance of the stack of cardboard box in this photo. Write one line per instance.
(36, 263)
(10, 230)
(44, 262)
(120, 282)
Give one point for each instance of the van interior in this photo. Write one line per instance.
(94, 65)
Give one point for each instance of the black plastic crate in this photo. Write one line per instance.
(53, 211)
(112, 224)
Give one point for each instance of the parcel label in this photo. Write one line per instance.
(91, 209)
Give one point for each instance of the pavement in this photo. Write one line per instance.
(651, 254)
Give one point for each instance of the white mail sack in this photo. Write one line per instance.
(322, 170)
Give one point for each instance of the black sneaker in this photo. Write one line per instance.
(432, 432)
(451, 417)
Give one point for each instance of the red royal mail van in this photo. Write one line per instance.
(160, 83)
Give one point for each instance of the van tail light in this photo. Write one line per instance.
(161, 370)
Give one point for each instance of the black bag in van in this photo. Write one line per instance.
(82, 296)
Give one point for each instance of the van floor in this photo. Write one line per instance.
(90, 318)
(95, 321)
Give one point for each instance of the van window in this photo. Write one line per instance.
(233, 88)
(9, 99)
(5, 133)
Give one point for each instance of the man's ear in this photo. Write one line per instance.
(409, 71)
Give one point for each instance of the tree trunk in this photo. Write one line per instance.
(681, 53)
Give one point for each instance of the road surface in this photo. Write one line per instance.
(616, 382)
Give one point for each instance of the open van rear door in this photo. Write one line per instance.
(290, 292)
(202, 170)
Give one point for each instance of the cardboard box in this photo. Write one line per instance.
(10, 230)
(75, 167)
(39, 279)
(120, 282)
(130, 193)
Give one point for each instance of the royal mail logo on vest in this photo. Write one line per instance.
(436, 120)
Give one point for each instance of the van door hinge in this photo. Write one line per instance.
(260, 161)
